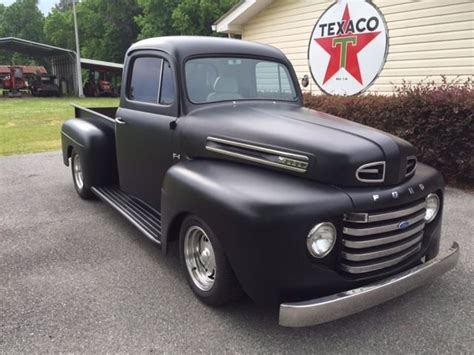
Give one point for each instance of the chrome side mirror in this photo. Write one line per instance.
(305, 81)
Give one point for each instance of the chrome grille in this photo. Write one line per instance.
(378, 240)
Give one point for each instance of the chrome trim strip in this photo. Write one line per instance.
(412, 157)
(365, 166)
(361, 244)
(258, 148)
(381, 253)
(355, 217)
(255, 160)
(381, 229)
(329, 308)
(360, 269)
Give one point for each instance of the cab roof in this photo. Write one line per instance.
(182, 47)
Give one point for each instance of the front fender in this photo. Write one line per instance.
(261, 217)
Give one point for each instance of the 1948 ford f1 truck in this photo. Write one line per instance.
(211, 146)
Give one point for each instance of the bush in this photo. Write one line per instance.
(438, 119)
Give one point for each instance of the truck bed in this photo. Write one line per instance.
(88, 113)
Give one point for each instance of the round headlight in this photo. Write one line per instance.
(321, 239)
(432, 207)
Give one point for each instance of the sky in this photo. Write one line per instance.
(44, 5)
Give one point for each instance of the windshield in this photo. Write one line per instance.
(232, 79)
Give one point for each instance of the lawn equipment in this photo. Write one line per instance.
(99, 84)
(14, 82)
(44, 85)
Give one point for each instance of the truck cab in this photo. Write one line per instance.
(211, 146)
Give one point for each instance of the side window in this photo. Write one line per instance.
(272, 78)
(167, 85)
(145, 80)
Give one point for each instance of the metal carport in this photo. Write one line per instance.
(62, 60)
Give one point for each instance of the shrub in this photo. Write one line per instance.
(438, 119)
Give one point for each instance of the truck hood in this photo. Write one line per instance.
(296, 140)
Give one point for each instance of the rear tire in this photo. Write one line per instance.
(205, 265)
(79, 178)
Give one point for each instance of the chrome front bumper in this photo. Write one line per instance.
(326, 309)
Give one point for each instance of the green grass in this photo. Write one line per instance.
(29, 125)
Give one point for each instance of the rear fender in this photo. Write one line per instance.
(95, 146)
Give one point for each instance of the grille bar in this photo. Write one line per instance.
(378, 217)
(361, 268)
(383, 228)
(364, 256)
(369, 243)
(374, 241)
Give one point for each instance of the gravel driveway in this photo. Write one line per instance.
(76, 277)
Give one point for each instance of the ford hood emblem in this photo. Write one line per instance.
(403, 225)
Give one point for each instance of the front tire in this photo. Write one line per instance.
(204, 263)
(78, 177)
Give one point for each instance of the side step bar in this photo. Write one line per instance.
(142, 216)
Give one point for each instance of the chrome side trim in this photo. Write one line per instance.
(300, 158)
(355, 217)
(368, 243)
(412, 171)
(360, 269)
(382, 229)
(329, 308)
(381, 253)
(367, 169)
(258, 148)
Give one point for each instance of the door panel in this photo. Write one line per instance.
(144, 138)
(144, 153)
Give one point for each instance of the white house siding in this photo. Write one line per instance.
(428, 38)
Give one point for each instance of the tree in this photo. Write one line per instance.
(156, 18)
(59, 29)
(195, 17)
(21, 19)
(180, 17)
(106, 28)
(63, 5)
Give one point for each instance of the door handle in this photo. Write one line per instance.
(119, 120)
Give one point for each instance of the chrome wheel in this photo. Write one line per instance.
(77, 168)
(200, 258)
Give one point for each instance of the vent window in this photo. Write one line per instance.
(372, 172)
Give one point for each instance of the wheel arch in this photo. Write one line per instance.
(96, 147)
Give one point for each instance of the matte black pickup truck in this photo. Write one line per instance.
(211, 146)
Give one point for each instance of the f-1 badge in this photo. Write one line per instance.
(375, 197)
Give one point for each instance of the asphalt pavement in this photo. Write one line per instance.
(77, 277)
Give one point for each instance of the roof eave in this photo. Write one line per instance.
(232, 21)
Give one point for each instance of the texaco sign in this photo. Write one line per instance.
(348, 47)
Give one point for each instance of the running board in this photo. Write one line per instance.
(142, 216)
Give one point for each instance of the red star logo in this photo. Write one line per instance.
(344, 49)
